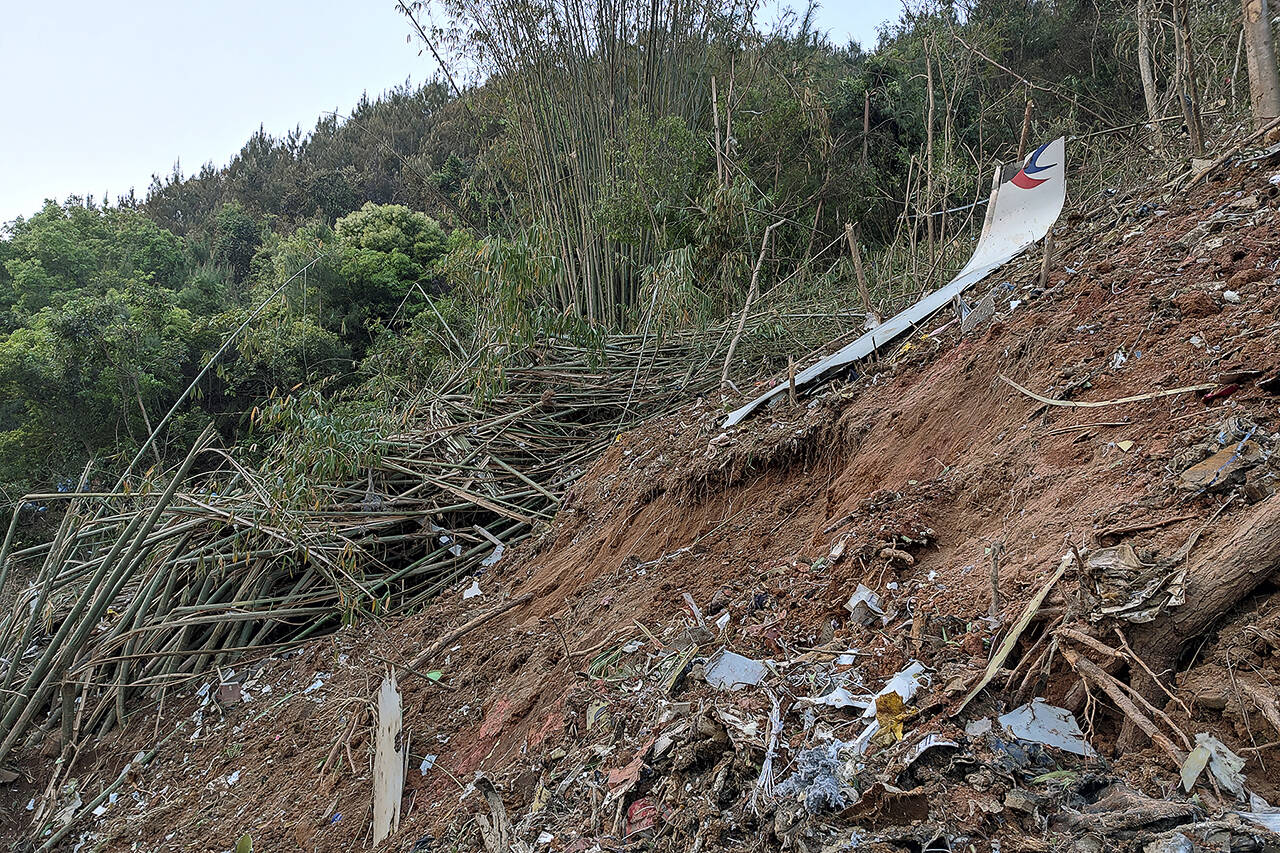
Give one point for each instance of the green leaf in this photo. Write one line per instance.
(245, 844)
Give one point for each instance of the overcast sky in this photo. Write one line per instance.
(99, 96)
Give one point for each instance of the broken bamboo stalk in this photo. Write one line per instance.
(1076, 404)
(752, 290)
(1026, 129)
(1011, 639)
(855, 251)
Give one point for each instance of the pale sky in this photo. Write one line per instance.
(98, 96)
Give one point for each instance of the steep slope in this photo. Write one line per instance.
(587, 704)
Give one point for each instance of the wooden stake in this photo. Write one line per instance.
(856, 251)
(1026, 130)
(791, 379)
(1046, 261)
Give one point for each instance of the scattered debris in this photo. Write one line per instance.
(1224, 468)
(727, 670)
(815, 781)
(388, 762)
(1049, 725)
(864, 606)
(1128, 589)
(1224, 764)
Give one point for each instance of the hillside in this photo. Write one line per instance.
(582, 716)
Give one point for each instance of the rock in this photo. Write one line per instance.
(1022, 800)
(1224, 468)
(1197, 303)
(1241, 278)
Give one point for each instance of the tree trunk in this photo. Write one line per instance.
(928, 150)
(1260, 50)
(1188, 91)
(1216, 582)
(1148, 73)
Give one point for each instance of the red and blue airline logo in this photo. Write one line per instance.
(1023, 179)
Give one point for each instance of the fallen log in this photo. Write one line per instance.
(1217, 581)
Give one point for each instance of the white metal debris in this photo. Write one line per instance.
(728, 670)
(1022, 211)
(864, 606)
(1049, 725)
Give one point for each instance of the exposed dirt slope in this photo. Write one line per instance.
(588, 706)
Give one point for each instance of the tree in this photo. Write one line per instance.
(384, 250)
(85, 376)
(235, 239)
(1260, 48)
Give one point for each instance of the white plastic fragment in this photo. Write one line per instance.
(428, 761)
(728, 670)
(1224, 764)
(233, 778)
(864, 606)
(472, 591)
(905, 684)
(1046, 724)
(977, 728)
(494, 556)
(1231, 296)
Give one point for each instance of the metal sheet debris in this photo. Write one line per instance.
(1224, 764)
(1130, 589)
(905, 684)
(388, 762)
(930, 741)
(1046, 724)
(1022, 211)
(727, 670)
(864, 606)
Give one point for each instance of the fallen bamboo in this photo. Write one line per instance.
(1011, 639)
(1075, 404)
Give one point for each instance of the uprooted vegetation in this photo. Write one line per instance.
(682, 642)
